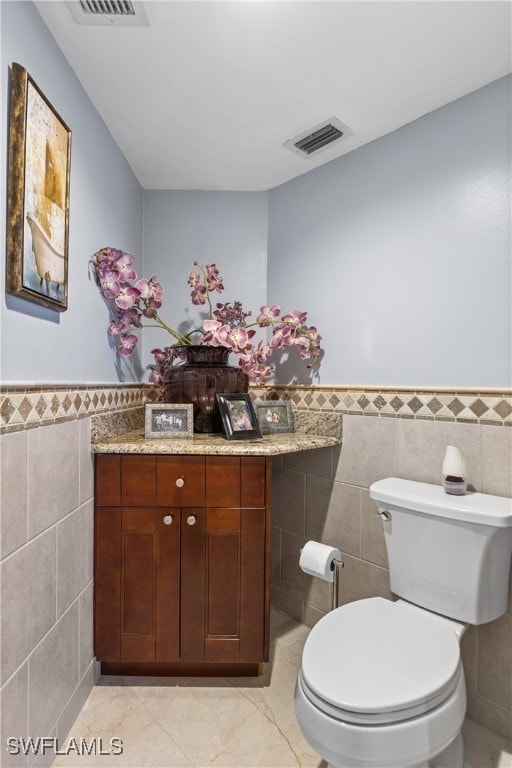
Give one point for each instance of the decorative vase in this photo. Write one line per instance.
(205, 372)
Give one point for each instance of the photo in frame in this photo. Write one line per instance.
(238, 416)
(275, 416)
(176, 420)
(37, 196)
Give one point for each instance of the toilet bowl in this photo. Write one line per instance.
(382, 685)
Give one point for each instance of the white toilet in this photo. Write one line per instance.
(381, 682)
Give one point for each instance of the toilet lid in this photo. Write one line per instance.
(382, 657)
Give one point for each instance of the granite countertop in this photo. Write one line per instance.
(123, 432)
(269, 445)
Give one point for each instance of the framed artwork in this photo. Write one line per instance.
(37, 196)
(238, 416)
(169, 420)
(275, 416)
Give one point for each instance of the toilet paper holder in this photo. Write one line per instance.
(336, 566)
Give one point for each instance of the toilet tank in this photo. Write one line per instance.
(449, 554)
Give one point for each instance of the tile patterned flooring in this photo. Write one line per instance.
(174, 722)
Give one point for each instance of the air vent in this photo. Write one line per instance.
(109, 8)
(120, 13)
(319, 137)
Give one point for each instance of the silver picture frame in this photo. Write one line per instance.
(168, 420)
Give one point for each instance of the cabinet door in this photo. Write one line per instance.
(137, 584)
(223, 585)
(150, 584)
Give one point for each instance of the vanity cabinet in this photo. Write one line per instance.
(182, 563)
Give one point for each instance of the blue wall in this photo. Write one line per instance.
(400, 250)
(40, 345)
(228, 229)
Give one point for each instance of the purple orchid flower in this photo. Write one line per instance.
(135, 299)
(128, 295)
(122, 265)
(213, 279)
(151, 291)
(215, 333)
(267, 315)
(127, 344)
(109, 284)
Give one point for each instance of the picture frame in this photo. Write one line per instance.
(275, 416)
(168, 420)
(238, 416)
(37, 196)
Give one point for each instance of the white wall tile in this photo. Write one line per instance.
(288, 500)
(85, 639)
(14, 698)
(333, 514)
(28, 599)
(74, 555)
(369, 450)
(13, 491)
(497, 460)
(53, 673)
(53, 474)
(422, 446)
(318, 463)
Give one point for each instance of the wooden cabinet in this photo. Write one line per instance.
(182, 563)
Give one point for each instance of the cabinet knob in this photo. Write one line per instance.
(167, 519)
(191, 520)
(180, 482)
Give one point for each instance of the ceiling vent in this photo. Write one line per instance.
(109, 13)
(319, 137)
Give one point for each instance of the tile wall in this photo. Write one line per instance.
(323, 495)
(46, 533)
(46, 527)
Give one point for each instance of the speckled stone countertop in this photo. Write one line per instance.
(216, 445)
(123, 432)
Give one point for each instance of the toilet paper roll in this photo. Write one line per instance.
(318, 560)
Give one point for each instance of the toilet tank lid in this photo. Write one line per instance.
(479, 508)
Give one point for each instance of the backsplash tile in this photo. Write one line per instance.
(475, 406)
(24, 407)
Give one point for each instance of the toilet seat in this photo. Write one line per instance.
(376, 661)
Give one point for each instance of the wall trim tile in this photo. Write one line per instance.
(26, 406)
(457, 405)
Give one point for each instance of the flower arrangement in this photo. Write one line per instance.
(136, 300)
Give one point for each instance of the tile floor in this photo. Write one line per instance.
(173, 722)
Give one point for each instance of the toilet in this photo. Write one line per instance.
(381, 683)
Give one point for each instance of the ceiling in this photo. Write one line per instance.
(205, 96)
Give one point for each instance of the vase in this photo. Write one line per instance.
(205, 372)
